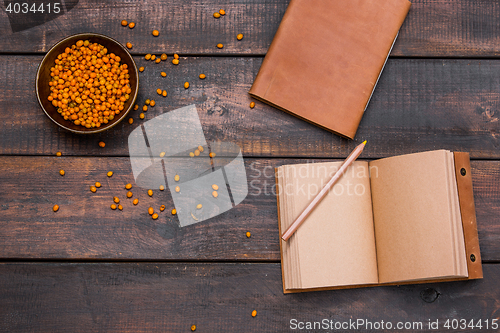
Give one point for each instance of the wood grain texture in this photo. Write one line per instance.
(159, 297)
(441, 28)
(86, 228)
(418, 105)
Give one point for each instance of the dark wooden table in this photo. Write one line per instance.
(89, 269)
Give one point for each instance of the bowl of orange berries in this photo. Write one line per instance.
(87, 83)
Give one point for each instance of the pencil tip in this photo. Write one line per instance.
(364, 142)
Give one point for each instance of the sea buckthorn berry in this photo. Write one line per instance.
(193, 328)
(113, 206)
(130, 121)
(141, 116)
(128, 186)
(152, 103)
(220, 45)
(163, 57)
(102, 144)
(177, 189)
(216, 15)
(136, 107)
(254, 313)
(248, 235)
(145, 108)
(61, 172)
(176, 178)
(215, 194)
(200, 148)
(141, 69)
(162, 154)
(147, 56)
(154, 216)
(164, 93)
(156, 33)
(212, 155)
(162, 187)
(222, 12)
(202, 76)
(176, 56)
(129, 45)
(163, 74)
(93, 189)
(162, 208)
(158, 91)
(199, 206)
(135, 202)
(186, 85)
(110, 173)
(252, 105)
(55, 208)
(153, 57)
(116, 200)
(158, 60)
(175, 61)
(58, 154)
(196, 152)
(147, 101)
(120, 207)
(124, 23)
(215, 187)
(131, 25)
(129, 194)
(150, 193)
(150, 210)
(97, 184)
(191, 154)
(239, 36)
(174, 211)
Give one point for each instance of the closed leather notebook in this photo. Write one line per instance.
(326, 58)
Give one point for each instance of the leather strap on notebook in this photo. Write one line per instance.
(466, 198)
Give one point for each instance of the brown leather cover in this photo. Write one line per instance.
(467, 210)
(468, 214)
(326, 58)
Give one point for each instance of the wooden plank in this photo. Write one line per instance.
(417, 105)
(86, 228)
(160, 297)
(440, 28)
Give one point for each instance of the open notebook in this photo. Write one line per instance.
(391, 221)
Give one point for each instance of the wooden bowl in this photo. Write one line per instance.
(43, 78)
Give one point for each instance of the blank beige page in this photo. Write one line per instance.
(335, 246)
(415, 216)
